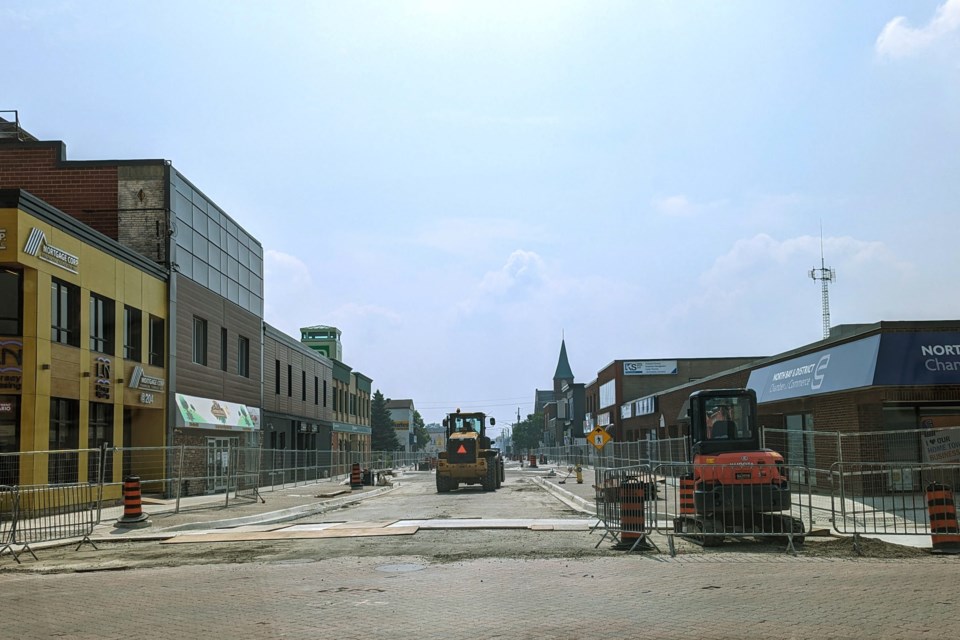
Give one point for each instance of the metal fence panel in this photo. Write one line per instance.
(871, 497)
(708, 514)
(8, 515)
(623, 496)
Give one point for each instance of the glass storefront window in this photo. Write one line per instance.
(11, 302)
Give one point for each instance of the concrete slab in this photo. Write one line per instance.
(254, 536)
(557, 524)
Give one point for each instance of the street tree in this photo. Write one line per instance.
(528, 432)
(383, 434)
(420, 435)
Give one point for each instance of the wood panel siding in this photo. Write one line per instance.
(209, 381)
(276, 347)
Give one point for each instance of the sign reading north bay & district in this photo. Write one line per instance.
(846, 366)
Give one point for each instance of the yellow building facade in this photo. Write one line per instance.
(83, 326)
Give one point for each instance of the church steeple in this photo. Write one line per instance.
(563, 365)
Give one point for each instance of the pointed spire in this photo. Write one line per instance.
(563, 365)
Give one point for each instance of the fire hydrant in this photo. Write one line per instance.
(579, 474)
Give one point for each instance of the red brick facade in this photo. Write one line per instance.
(85, 190)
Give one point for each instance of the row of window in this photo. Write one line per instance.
(200, 348)
(65, 312)
(317, 396)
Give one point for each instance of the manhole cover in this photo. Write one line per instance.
(400, 568)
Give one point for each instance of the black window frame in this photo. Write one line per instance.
(157, 341)
(200, 343)
(100, 432)
(102, 324)
(64, 313)
(243, 356)
(11, 325)
(63, 468)
(132, 334)
(224, 350)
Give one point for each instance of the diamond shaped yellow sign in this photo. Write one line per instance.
(598, 438)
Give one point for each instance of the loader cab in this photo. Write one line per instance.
(468, 426)
(723, 420)
(467, 423)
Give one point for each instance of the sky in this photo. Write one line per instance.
(459, 186)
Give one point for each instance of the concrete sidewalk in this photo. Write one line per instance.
(269, 505)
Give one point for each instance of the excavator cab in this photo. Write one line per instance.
(723, 420)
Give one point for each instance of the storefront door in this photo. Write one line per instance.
(800, 450)
(218, 464)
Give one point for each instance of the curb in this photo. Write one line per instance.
(570, 499)
(282, 515)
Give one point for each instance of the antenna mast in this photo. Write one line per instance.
(825, 276)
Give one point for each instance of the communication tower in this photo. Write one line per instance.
(825, 276)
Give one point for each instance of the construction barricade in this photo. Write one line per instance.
(890, 498)
(8, 512)
(55, 512)
(708, 503)
(622, 505)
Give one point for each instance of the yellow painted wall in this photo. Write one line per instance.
(65, 377)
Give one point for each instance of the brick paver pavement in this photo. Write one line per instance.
(608, 598)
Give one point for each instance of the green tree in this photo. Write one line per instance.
(528, 433)
(421, 437)
(383, 436)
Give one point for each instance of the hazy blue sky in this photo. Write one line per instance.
(457, 185)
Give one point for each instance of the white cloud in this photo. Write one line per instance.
(523, 268)
(899, 40)
(285, 267)
(764, 283)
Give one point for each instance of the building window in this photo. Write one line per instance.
(64, 435)
(100, 433)
(199, 340)
(10, 439)
(316, 390)
(277, 381)
(336, 392)
(324, 393)
(303, 386)
(64, 313)
(223, 348)
(101, 324)
(243, 356)
(289, 380)
(156, 341)
(11, 302)
(131, 333)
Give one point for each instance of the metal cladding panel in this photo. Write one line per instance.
(462, 451)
